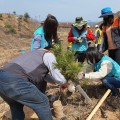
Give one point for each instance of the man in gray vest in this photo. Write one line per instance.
(23, 82)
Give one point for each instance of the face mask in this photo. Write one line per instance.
(89, 62)
(79, 28)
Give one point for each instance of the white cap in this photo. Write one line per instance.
(96, 26)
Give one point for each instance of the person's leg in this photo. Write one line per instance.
(16, 108)
(112, 83)
(24, 92)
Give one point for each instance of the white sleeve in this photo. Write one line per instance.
(49, 60)
(105, 69)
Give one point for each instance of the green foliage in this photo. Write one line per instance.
(66, 62)
(26, 16)
(14, 12)
(10, 29)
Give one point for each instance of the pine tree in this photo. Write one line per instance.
(66, 62)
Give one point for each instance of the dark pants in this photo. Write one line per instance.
(112, 83)
(115, 55)
(17, 92)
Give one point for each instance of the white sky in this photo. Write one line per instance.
(64, 10)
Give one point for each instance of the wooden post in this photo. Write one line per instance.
(79, 88)
(99, 104)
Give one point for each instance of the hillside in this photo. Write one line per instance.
(15, 34)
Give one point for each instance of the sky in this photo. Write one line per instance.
(63, 10)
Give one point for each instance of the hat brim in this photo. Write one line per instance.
(106, 14)
(79, 24)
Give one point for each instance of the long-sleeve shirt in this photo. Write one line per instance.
(106, 67)
(89, 35)
(49, 60)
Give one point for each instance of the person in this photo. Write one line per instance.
(110, 24)
(45, 34)
(79, 35)
(98, 36)
(24, 79)
(105, 69)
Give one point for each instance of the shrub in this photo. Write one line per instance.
(10, 29)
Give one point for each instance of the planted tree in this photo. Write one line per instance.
(69, 67)
(66, 62)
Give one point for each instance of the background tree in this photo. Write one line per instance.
(14, 12)
(26, 17)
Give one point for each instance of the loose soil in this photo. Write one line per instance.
(74, 106)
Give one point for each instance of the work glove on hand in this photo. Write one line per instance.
(84, 36)
(71, 87)
(79, 39)
(76, 39)
(80, 76)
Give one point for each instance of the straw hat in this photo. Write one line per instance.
(79, 22)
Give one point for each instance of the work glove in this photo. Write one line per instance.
(79, 39)
(80, 76)
(71, 87)
(76, 39)
(84, 36)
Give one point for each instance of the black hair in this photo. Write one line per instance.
(108, 20)
(50, 28)
(93, 55)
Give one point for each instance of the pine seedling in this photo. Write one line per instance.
(66, 62)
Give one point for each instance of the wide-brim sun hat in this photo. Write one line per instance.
(79, 22)
(106, 12)
(96, 26)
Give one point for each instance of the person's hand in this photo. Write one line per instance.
(71, 87)
(76, 39)
(64, 86)
(80, 76)
(84, 36)
(79, 39)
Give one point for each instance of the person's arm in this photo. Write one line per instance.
(104, 70)
(71, 38)
(90, 35)
(49, 60)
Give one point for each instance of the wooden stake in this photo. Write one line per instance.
(99, 104)
(87, 99)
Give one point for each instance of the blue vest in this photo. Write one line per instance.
(79, 46)
(115, 67)
(43, 42)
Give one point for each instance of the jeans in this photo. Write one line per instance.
(17, 92)
(112, 83)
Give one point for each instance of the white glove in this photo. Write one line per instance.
(80, 75)
(76, 39)
(71, 87)
(95, 45)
